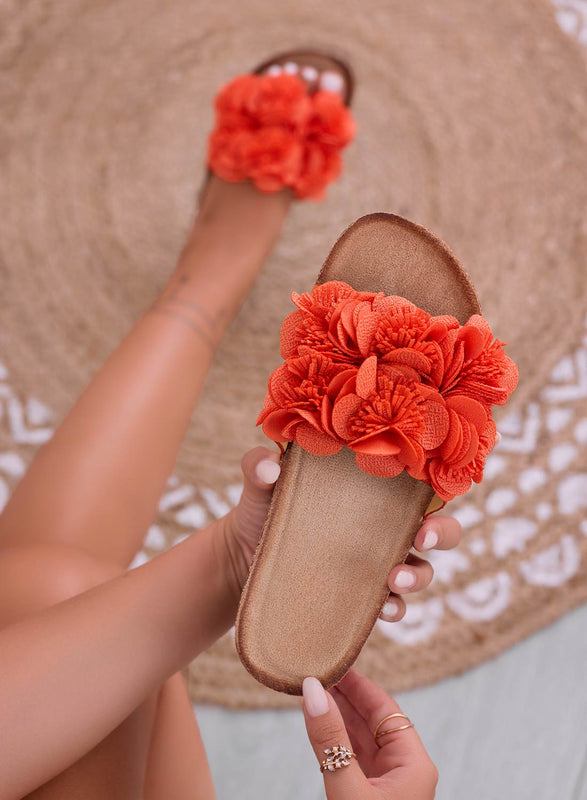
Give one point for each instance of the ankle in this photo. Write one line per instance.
(234, 209)
(233, 240)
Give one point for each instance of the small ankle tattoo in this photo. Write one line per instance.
(191, 321)
(211, 320)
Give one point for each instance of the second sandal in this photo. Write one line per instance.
(280, 127)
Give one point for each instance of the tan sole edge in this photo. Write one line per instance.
(318, 580)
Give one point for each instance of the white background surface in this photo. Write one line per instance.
(514, 728)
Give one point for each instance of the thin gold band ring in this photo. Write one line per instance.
(377, 733)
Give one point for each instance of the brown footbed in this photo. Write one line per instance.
(318, 579)
(314, 58)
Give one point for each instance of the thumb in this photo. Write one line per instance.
(326, 731)
(261, 469)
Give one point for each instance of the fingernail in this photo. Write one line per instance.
(267, 470)
(404, 579)
(497, 437)
(315, 699)
(390, 609)
(430, 540)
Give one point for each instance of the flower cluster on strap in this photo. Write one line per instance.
(402, 388)
(270, 130)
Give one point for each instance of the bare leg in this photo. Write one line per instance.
(32, 579)
(97, 482)
(177, 765)
(99, 656)
(109, 447)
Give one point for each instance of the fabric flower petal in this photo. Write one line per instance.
(381, 466)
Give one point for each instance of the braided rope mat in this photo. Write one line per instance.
(472, 121)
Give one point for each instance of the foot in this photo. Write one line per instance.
(241, 206)
(235, 228)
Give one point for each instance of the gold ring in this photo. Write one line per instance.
(377, 733)
(337, 757)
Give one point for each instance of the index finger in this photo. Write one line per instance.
(327, 732)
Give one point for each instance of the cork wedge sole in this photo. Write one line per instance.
(318, 580)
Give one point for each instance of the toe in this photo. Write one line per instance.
(328, 79)
(331, 81)
(309, 73)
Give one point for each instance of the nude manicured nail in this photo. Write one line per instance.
(404, 579)
(267, 470)
(309, 73)
(331, 81)
(497, 437)
(430, 540)
(315, 699)
(390, 609)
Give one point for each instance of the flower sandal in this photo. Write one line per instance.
(284, 125)
(385, 399)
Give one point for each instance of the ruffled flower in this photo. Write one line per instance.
(476, 366)
(298, 404)
(388, 419)
(333, 319)
(253, 101)
(406, 334)
(329, 123)
(330, 128)
(453, 474)
(270, 130)
(270, 157)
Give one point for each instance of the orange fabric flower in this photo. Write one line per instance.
(298, 405)
(475, 365)
(270, 157)
(333, 319)
(451, 473)
(408, 335)
(253, 101)
(401, 388)
(330, 127)
(270, 130)
(388, 419)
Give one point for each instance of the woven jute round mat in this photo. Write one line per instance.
(472, 119)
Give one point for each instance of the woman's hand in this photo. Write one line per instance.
(243, 525)
(397, 768)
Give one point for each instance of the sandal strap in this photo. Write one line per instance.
(270, 130)
(401, 388)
